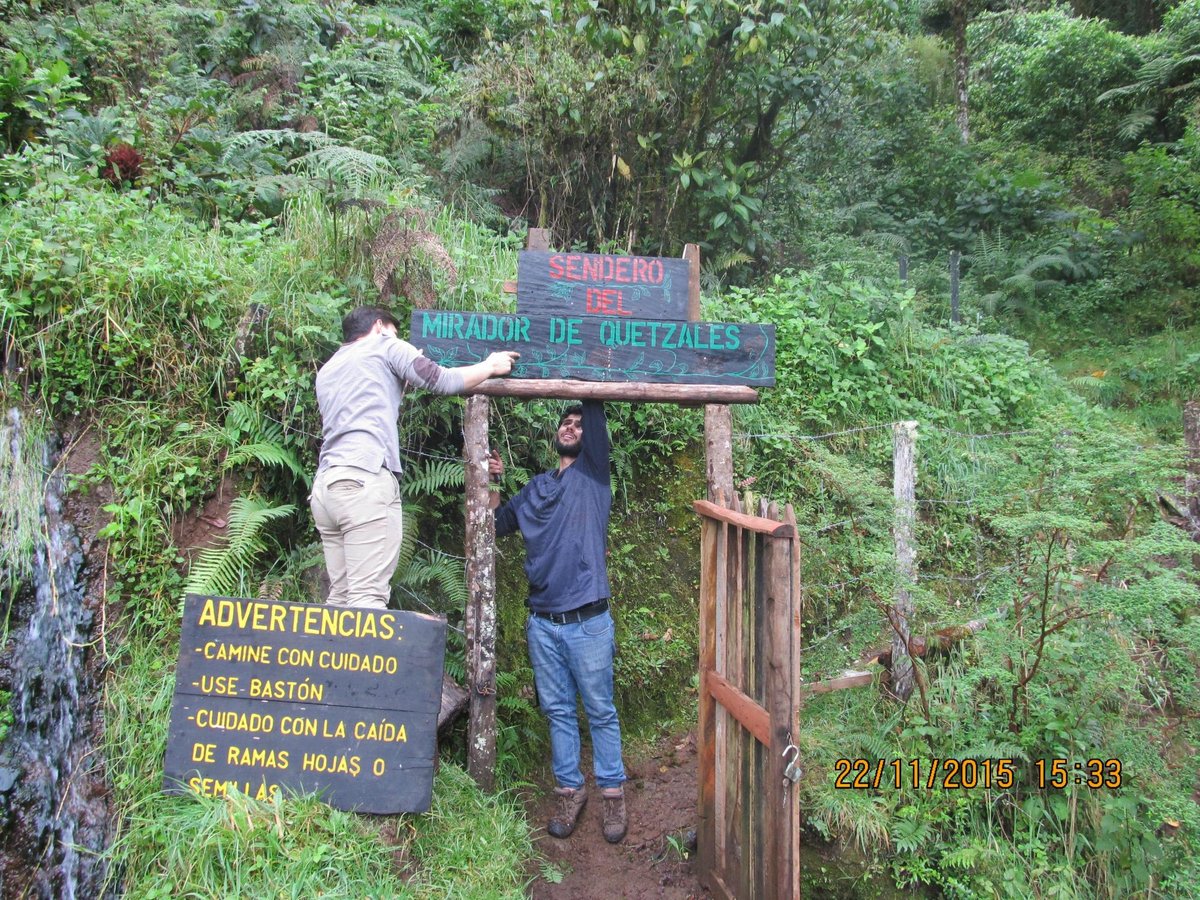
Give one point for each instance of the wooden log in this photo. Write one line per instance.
(757, 524)
(904, 438)
(633, 392)
(938, 641)
(481, 610)
(846, 680)
(454, 700)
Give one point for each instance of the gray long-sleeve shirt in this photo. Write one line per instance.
(359, 391)
(563, 517)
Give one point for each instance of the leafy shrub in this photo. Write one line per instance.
(1043, 74)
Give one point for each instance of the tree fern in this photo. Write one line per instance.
(223, 569)
(348, 167)
(272, 138)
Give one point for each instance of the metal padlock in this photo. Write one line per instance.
(793, 772)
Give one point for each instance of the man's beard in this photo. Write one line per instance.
(571, 450)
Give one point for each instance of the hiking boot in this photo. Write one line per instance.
(570, 805)
(615, 820)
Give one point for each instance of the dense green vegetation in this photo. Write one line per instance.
(170, 172)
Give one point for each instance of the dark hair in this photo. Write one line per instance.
(576, 410)
(361, 320)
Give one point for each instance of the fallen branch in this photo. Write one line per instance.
(938, 641)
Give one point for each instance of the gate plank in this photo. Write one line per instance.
(748, 714)
(705, 727)
(779, 705)
(748, 522)
(720, 760)
(792, 874)
(732, 864)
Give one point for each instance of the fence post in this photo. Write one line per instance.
(904, 267)
(481, 605)
(955, 260)
(718, 419)
(904, 483)
(1191, 444)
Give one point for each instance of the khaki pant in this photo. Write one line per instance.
(358, 517)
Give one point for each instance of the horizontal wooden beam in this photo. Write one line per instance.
(749, 714)
(633, 392)
(847, 680)
(510, 287)
(750, 523)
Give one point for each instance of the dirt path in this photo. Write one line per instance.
(652, 861)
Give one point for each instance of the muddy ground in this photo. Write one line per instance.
(654, 860)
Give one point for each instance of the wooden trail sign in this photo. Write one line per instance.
(598, 284)
(602, 348)
(271, 695)
(604, 318)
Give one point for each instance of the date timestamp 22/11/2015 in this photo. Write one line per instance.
(966, 774)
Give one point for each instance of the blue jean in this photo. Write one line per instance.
(569, 660)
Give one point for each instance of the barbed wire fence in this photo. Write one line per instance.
(851, 576)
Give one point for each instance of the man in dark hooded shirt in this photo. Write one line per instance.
(563, 516)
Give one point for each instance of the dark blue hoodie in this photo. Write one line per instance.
(564, 520)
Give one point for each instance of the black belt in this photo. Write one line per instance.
(579, 614)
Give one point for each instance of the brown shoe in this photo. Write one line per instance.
(570, 805)
(615, 820)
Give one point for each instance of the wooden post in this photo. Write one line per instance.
(538, 239)
(481, 607)
(904, 267)
(718, 419)
(1191, 444)
(904, 439)
(955, 260)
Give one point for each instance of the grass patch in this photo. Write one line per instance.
(468, 845)
(1145, 381)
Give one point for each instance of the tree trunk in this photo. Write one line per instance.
(958, 18)
(481, 605)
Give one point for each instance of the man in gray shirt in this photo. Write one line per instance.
(355, 497)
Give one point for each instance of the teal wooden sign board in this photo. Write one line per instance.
(597, 317)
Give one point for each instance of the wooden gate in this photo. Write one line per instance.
(749, 816)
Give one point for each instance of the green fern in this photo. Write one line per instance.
(432, 568)
(910, 834)
(223, 569)
(349, 167)
(423, 479)
(268, 454)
